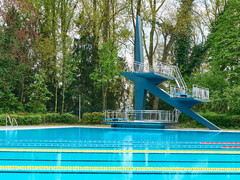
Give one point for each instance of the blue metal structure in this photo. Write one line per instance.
(139, 42)
(148, 81)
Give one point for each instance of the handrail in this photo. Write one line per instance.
(159, 68)
(146, 115)
(195, 92)
(8, 119)
(200, 92)
(13, 119)
(179, 79)
(172, 71)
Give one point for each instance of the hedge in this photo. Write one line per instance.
(36, 119)
(223, 121)
(92, 118)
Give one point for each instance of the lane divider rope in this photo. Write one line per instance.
(231, 147)
(219, 142)
(118, 151)
(92, 168)
(110, 145)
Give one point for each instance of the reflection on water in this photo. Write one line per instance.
(108, 134)
(123, 139)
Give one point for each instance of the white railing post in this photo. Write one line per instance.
(11, 121)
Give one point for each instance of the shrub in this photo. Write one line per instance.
(221, 120)
(92, 118)
(36, 119)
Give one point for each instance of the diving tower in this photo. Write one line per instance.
(147, 78)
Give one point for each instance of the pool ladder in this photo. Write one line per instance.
(8, 120)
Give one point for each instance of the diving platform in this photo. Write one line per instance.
(148, 118)
(181, 98)
(147, 78)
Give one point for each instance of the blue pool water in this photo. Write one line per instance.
(105, 153)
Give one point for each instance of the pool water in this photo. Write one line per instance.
(106, 153)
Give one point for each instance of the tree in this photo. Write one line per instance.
(108, 71)
(152, 20)
(223, 72)
(83, 85)
(48, 21)
(171, 30)
(17, 38)
(188, 56)
(39, 94)
(224, 43)
(66, 17)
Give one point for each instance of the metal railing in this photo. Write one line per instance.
(172, 71)
(159, 68)
(175, 91)
(11, 121)
(162, 116)
(196, 92)
(179, 79)
(200, 92)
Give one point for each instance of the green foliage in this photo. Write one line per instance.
(182, 48)
(37, 57)
(224, 121)
(224, 43)
(39, 94)
(83, 84)
(108, 72)
(232, 97)
(39, 119)
(187, 57)
(92, 118)
(222, 68)
(10, 103)
(108, 67)
(17, 37)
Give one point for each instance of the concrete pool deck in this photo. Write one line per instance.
(104, 126)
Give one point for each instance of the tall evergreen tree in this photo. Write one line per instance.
(224, 43)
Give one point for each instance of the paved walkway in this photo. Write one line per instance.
(50, 126)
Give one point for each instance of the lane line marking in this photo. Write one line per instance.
(118, 151)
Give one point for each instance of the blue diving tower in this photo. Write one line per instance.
(147, 78)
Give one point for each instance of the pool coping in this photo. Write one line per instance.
(50, 127)
(107, 126)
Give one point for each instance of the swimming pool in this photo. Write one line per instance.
(118, 153)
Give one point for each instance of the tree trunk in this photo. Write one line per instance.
(55, 81)
(139, 6)
(104, 94)
(106, 20)
(63, 98)
(64, 50)
(95, 39)
(64, 72)
(155, 103)
(153, 27)
(22, 90)
(56, 101)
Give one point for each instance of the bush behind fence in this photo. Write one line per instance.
(222, 120)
